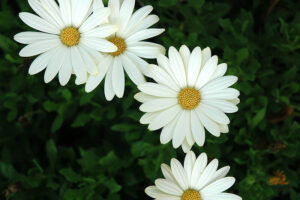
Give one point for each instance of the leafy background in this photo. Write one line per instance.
(61, 143)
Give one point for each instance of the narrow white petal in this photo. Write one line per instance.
(177, 66)
(224, 128)
(167, 172)
(97, 18)
(168, 131)
(142, 97)
(164, 117)
(94, 81)
(38, 23)
(221, 173)
(52, 8)
(157, 90)
(194, 66)
(179, 174)
(101, 31)
(185, 146)
(37, 48)
(206, 55)
(207, 173)
(114, 5)
(154, 192)
(78, 66)
(80, 10)
(207, 71)
(185, 55)
(65, 71)
(108, 88)
(158, 104)
(147, 117)
(31, 37)
(225, 94)
(55, 64)
(189, 162)
(198, 169)
(218, 186)
(180, 129)
(223, 105)
(224, 196)
(132, 70)
(145, 34)
(97, 4)
(145, 23)
(163, 62)
(168, 187)
(142, 64)
(89, 62)
(146, 49)
(99, 44)
(125, 13)
(41, 62)
(210, 125)
(118, 78)
(219, 84)
(214, 114)
(197, 129)
(220, 71)
(66, 12)
(162, 77)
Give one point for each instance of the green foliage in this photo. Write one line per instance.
(61, 143)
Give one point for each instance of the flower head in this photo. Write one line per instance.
(69, 38)
(133, 29)
(196, 180)
(191, 95)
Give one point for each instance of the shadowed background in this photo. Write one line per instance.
(62, 143)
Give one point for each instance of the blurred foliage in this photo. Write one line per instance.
(61, 143)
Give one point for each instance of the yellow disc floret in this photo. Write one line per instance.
(191, 195)
(120, 43)
(70, 36)
(189, 98)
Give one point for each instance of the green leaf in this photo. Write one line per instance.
(70, 175)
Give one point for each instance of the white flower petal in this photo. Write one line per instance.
(225, 94)
(65, 71)
(198, 168)
(142, 97)
(99, 44)
(52, 8)
(89, 62)
(185, 55)
(210, 125)
(168, 187)
(78, 66)
(194, 66)
(221, 173)
(162, 77)
(189, 162)
(224, 196)
(80, 10)
(41, 62)
(206, 55)
(177, 67)
(118, 78)
(146, 23)
(167, 172)
(185, 146)
(219, 84)
(218, 186)
(207, 72)
(197, 129)
(180, 129)
(179, 174)
(97, 4)
(145, 34)
(55, 64)
(94, 81)
(125, 13)
(108, 88)
(220, 71)
(101, 31)
(168, 131)
(97, 18)
(146, 49)
(39, 47)
(214, 114)
(223, 105)
(164, 117)
(31, 37)
(207, 173)
(114, 5)
(154, 192)
(66, 12)
(38, 23)
(147, 117)
(142, 64)
(157, 90)
(132, 70)
(158, 104)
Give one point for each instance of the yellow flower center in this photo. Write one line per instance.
(70, 36)
(189, 98)
(120, 43)
(191, 195)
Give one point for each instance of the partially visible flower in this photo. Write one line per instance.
(278, 179)
(191, 95)
(133, 30)
(194, 181)
(69, 39)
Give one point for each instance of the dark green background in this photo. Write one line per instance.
(61, 143)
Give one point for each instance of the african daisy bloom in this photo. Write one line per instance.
(69, 38)
(133, 29)
(194, 181)
(191, 95)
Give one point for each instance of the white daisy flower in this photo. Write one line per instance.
(133, 29)
(69, 39)
(194, 181)
(191, 94)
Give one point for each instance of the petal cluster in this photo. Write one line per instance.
(191, 94)
(195, 180)
(133, 29)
